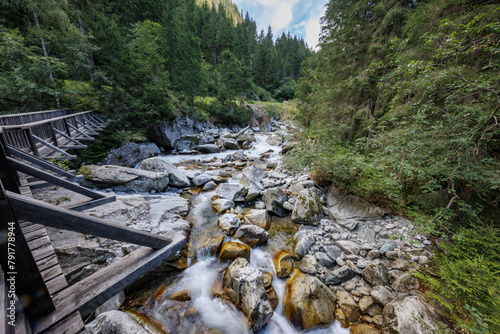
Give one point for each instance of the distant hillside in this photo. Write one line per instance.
(231, 9)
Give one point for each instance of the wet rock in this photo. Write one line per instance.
(308, 207)
(231, 191)
(382, 295)
(410, 315)
(376, 273)
(207, 148)
(340, 317)
(405, 282)
(244, 287)
(125, 179)
(304, 239)
(130, 154)
(283, 263)
(348, 306)
(201, 179)
(176, 177)
(213, 244)
(273, 297)
(339, 275)
(232, 250)
(274, 198)
(274, 140)
(325, 260)
(115, 322)
(348, 247)
(308, 265)
(210, 185)
(181, 296)
(364, 329)
(251, 235)
(268, 279)
(229, 223)
(251, 178)
(308, 303)
(259, 218)
(222, 204)
(230, 143)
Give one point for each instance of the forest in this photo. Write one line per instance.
(401, 107)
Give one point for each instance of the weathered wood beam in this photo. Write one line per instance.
(96, 120)
(49, 145)
(86, 136)
(92, 123)
(62, 134)
(89, 129)
(55, 180)
(29, 136)
(94, 290)
(91, 204)
(58, 217)
(39, 162)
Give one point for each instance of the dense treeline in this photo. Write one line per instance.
(141, 61)
(401, 106)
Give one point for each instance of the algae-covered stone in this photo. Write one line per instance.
(251, 235)
(308, 207)
(283, 263)
(233, 250)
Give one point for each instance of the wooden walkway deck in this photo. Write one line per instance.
(45, 301)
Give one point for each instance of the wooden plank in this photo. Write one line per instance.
(94, 290)
(56, 284)
(85, 136)
(42, 253)
(73, 140)
(73, 147)
(26, 125)
(58, 181)
(39, 242)
(41, 232)
(47, 262)
(71, 325)
(55, 216)
(39, 162)
(89, 129)
(30, 228)
(91, 204)
(49, 145)
(52, 272)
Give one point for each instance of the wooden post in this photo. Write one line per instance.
(29, 135)
(8, 176)
(53, 134)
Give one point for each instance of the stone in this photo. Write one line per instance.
(273, 297)
(125, 179)
(115, 322)
(274, 140)
(251, 235)
(340, 317)
(349, 224)
(231, 191)
(167, 135)
(260, 205)
(308, 265)
(382, 295)
(130, 154)
(388, 246)
(181, 296)
(283, 264)
(304, 239)
(268, 279)
(373, 254)
(308, 207)
(325, 260)
(361, 263)
(210, 185)
(401, 264)
(207, 148)
(348, 306)
(378, 320)
(251, 178)
(244, 287)
(229, 223)
(348, 247)
(111, 304)
(364, 329)
(410, 315)
(339, 275)
(176, 177)
(333, 251)
(201, 179)
(308, 303)
(343, 206)
(376, 273)
(259, 218)
(212, 244)
(365, 303)
(230, 144)
(222, 204)
(274, 198)
(375, 310)
(232, 250)
(405, 283)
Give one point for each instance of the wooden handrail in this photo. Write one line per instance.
(48, 120)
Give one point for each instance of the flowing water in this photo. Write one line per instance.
(204, 313)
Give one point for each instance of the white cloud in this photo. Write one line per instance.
(312, 29)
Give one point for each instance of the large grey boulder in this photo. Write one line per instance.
(222, 204)
(308, 303)
(410, 315)
(342, 206)
(202, 179)
(125, 178)
(232, 191)
(308, 207)
(274, 140)
(176, 177)
(115, 322)
(207, 148)
(382, 295)
(304, 239)
(244, 287)
(339, 275)
(259, 217)
(130, 154)
(229, 223)
(229, 143)
(251, 178)
(376, 273)
(251, 235)
(274, 198)
(167, 135)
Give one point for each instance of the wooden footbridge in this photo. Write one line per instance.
(34, 294)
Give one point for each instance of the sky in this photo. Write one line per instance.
(301, 17)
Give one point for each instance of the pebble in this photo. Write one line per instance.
(390, 226)
(361, 263)
(340, 262)
(377, 229)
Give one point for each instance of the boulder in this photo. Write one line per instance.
(308, 303)
(304, 239)
(229, 143)
(167, 135)
(349, 306)
(274, 198)
(231, 191)
(348, 247)
(251, 235)
(244, 287)
(308, 207)
(405, 283)
(130, 154)
(364, 329)
(229, 223)
(308, 265)
(251, 178)
(212, 244)
(115, 322)
(376, 273)
(274, 140)
(382, 295)
(333, 251)
(222, 204)
(176, 177)
(289, 145)
(207, 148)
(325, 260)
(259, 218)
(111, 304)
(210, 185)
(410, 315)
(201, 179)
(283, 264)
(343, 206)
(125, 178)
(232, 250)
(339, 275)
(349, 224)
(273, 297)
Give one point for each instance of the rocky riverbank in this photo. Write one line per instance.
(327, 256)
